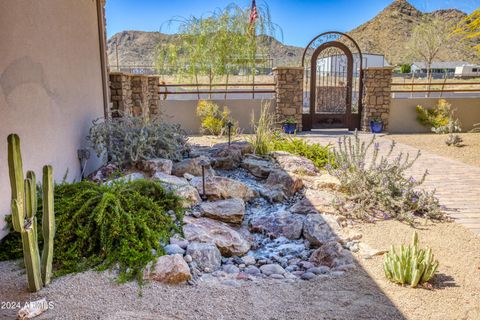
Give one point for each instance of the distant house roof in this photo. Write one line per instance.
(441, 65)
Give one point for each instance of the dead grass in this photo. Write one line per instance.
(468, 153)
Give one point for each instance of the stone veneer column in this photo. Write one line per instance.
(134, 95)
(289, 94)
(376, 97)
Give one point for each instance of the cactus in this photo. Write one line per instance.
(24, 210)
(411, 265)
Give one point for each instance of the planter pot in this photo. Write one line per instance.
(376, 126)
(289, 128)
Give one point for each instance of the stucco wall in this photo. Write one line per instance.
(403, 115)
(184, 113)
(50, 84)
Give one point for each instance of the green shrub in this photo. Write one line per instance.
(130, 139)
(410, 264)
(320, 155)
(214, 121)
(263, 130)
(405, 68)
(378, 187)
(119, 226)
(441, 119)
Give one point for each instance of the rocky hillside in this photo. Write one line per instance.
(387, 33)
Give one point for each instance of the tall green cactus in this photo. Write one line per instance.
(24, 209)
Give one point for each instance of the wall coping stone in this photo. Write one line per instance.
(287, 68)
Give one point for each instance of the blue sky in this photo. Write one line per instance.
(300, 20)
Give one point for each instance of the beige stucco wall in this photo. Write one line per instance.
(183, 112)
(50, 84)
(403, 115)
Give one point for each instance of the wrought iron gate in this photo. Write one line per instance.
(332, 82)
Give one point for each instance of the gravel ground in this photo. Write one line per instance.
(363, 293)
(468, 153)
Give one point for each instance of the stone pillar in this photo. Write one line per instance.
(376, 97)
(154, 95)
(120, 94)
(289, 94)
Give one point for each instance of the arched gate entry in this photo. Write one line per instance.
(332, 88)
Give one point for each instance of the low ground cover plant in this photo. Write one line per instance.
(213, 120)
(379, 187)
(119, 226)
(410, 264)
(126, 140)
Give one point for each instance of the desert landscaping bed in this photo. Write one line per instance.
(435, 143)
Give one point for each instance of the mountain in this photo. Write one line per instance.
(387, 34)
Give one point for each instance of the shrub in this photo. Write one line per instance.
(441, 119)
(263, 130)
(214, 121)
(379, 187)
(405, 68)
(119, 226)
(410, 264)
(126, 140)
(454, 140)
(320, 155)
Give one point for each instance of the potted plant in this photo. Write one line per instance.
(376, 125)
(289, 125)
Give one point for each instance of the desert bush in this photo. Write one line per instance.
(454, 140)
(320, 155)
(379, 188)
(410, 264)
(441, 119)
(263, 130)
(214, 121)
(126, 140)
(118, 226)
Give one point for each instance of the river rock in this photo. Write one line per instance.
(156, 165)
(317, 231)
(181, 187)
(332, 255)
(229, 211)
(193, 166)
(315, 201)
(289, 184)
(206, 256)
(174, 249)
(170, 269)
(269, 269)
(294, 164)
(217, 188)
(228, 241)
(278, 224)
(257, 166)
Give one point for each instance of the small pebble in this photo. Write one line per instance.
(230, 268)
(248, 260)
(307, 276)
(188, 258)
(319, 270)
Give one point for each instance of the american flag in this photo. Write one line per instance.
(253, 13)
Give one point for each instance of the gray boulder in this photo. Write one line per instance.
(156, 165)
(229, 211)
(317, 231)
(218, 188)
(269, 269)
(180, 187)
(206, 255)
(278, 224)
(193, 166)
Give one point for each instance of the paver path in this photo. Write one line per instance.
(457, 184)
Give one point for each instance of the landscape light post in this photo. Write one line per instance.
(229, 125)
(203, 163)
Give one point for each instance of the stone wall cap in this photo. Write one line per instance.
(287, 68)
(380, 68)
(118, 73)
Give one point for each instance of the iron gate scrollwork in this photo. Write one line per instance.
(332, 96)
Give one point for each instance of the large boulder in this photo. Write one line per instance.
(281, 180)
(332, 254)
(228, 241)
(278, 224)
(181, 187)
(193, 166)
(226, 158)
(206, 256)
(318, 231)
(323, 181)
(294, 164)
(218, 188)
(257, 166)
(245, 147)
(229, 211)
(156, 165)
(318, 201)
(169, 269)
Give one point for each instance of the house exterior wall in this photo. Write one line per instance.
(50, 85)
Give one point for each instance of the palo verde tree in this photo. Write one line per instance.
(216, 45)
(469, 28)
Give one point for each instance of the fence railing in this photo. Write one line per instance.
(211, 91)
(446, 87)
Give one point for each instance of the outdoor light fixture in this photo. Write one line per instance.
(229, 125)
(203, 163)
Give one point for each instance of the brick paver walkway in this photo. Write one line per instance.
(457, 184)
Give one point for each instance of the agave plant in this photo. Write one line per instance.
(410, 264)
